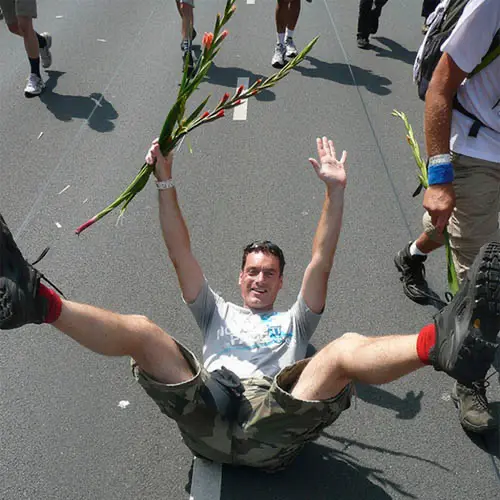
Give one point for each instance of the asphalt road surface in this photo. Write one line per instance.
(116, 70)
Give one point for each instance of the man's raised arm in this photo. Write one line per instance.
(174, 229)
(333, 173)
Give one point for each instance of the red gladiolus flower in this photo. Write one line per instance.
(208, 38)
(220, 114)
(240, 90)
(224, 34)
(237, 103)
(225, 97)
(205, 114)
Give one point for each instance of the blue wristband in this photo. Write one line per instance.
(440, 174)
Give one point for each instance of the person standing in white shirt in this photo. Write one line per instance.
(462, 133)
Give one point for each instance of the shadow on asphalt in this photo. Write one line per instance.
(393, 50)
(406, 408)
(340, 73)
(318, 472)
(98, 112)
(227, 77)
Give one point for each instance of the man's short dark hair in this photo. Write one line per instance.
(266, 247)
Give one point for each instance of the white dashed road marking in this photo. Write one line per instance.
(240, 112)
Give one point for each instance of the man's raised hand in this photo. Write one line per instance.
(330, 170)
(163, 165)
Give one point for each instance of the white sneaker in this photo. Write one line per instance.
(45, 55)
(34, 86)
(291, 50)
(278, 60)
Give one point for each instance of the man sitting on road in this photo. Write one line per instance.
(255, 400)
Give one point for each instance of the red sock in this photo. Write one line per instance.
(54, 301)
(425, 342)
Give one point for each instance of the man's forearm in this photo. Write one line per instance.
(173, 226)
(328, 231)
(437, 122)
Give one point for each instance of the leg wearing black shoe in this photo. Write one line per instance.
(411, 266)
(364, 19)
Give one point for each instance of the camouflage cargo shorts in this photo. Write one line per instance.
(270, 429)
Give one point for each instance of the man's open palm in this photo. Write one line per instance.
(330, 170)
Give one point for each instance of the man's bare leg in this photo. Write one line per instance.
(352, 357)
(187, 16)
(293, 13)
(111, 334)
(24, 28)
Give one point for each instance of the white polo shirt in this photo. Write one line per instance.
(480, 95)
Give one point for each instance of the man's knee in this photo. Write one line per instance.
(25, 25)
(343, 350)
(14, 28)
(351, 339)
(140, 322)
(185, 8)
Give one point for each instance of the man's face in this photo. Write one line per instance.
(260, 281)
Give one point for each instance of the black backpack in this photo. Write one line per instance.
(446, 18)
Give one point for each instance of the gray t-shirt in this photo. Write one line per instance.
(248, 343)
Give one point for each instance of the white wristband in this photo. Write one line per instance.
(161, 185)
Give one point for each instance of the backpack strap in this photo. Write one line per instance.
(477, 123)
(491, 55)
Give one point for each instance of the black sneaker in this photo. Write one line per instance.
(19, 282)
(412, 271)
(467, 328)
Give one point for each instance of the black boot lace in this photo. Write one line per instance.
(42, 276)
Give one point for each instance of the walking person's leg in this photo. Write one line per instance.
(364, 23)
(185, 8)
(19, 19)
(291, 23)
(473, 222)
(286, 16)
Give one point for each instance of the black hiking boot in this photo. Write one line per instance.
(415, 285)
(19, 282)
(467, 328)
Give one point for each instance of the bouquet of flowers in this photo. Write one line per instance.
(177, 125)
(422, 176)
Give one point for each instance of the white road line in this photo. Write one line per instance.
(206, 481)
(72, 142)
(240, 112)
(251, 2)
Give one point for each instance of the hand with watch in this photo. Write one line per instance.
(163, 166)
(439, 197)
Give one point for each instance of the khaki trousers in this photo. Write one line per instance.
(474, 221)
